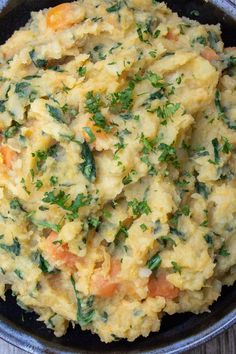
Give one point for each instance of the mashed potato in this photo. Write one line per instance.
(117, 166)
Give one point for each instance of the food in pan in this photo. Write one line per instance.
(117, 166)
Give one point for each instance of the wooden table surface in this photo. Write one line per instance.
(223, 344)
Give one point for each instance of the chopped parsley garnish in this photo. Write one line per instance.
(82, 71)
(16, 205)
(167, 111)
(139, 207)
(168, 154)
(93, 105)
(176, 267)
(227, 146)
(223, 251)
(53, 180)
(154, 262)
(114, 8)
(61, 199)
(122, 101)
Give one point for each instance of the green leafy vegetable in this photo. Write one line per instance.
(154, 262)
(43, 263)
(15, 248)
(56, 113)
(202, 189)
(90, 134)
(16, 205)
(11, 131)
(221, 112)
(88, 167)
(18, 274)
(2, 106)
(23, 89)
(39, 63)
(216, 148)
(227, 146)
(45, 224)
(114, 8)
(85, 311)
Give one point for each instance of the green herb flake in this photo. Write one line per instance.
(176, 267)
(202, 189)
(221, 112)
(39, 63)
(43, 263)
(139, 207)
(55, 113)
(88, 167)
(223, 251)
(227, 146)
(154, 262)
(143, 227)
(15, 248)
(114, 8)
(85, 311)
(18, 274)
(168, 154)
(90, 134)
(216, 149)
(208, 238)
(82, 71)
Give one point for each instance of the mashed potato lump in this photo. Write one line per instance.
(117, 166)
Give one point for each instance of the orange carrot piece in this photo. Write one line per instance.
(60, 17)
(8, 156)
(61, 253)
(171, 36)
(160, 286)
(209, 54)
(106, 287)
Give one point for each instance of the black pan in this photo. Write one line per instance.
(179, 332)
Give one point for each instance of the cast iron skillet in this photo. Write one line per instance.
(179, 332)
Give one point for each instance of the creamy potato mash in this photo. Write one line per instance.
(117, 166)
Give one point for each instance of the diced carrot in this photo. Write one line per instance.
(171, 36)
(115, 267)
(61, 253)
(106, 287)
(103, 287)
(160, 286)
(8, 156)
(60, 17)
(209, 54)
